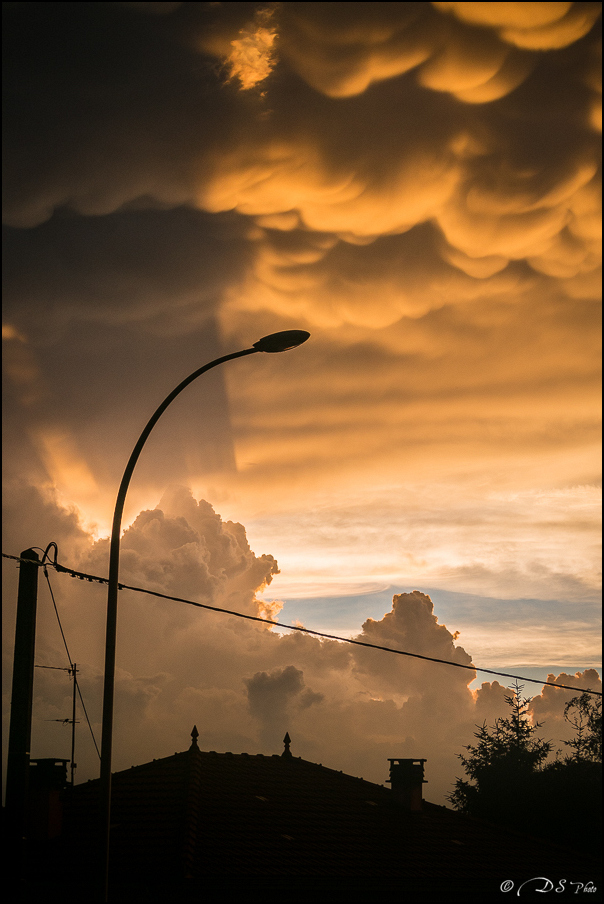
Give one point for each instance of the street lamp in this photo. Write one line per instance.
(276, 342)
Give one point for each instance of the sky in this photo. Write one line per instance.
(417, 185)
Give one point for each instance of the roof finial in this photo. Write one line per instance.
(194, 735)
(287, 741)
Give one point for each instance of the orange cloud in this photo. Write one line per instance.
(20, 365)
(252, 55)
(455, 53)
(534, 26)
(441, 248)
(343, 57)
(347, 706)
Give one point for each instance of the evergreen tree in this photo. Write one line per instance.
(508, 781)
(501, 765)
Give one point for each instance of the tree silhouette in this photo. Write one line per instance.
(510, 783)
(501, 765)
(584, 713)
(569, 790)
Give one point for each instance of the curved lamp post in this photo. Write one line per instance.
(276, 342)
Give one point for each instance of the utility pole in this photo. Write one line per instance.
(71, 671)
(19, 738)
(74, 671)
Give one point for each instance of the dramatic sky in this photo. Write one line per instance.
(418, 186)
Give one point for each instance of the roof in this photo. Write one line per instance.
(204, 815)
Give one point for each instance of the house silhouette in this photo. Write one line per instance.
(199, 825)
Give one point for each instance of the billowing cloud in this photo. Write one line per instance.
(273, 698)
(184, 537)
(346, 706)
(411, 625)
(390, 40)
(536, 26)
(545, 706)
(417, 185)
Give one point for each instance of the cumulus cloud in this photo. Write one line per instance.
(546, 704)
(244, 686)
(36, 517)
(273, 698)
(411, 625)
(183, 537)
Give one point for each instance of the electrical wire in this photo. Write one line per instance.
(72, 668)
(52, 596)
(87, 719)
(267, 621)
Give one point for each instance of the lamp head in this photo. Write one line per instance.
(281, 342)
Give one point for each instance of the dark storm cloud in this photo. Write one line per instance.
(109, 108)
(161, 270)
(360, 189)
(103, 106)
(274, 697)
(107, 112)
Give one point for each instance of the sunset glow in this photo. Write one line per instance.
(417, 186)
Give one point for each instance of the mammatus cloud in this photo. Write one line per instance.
(388, 41)
(535, 26)
(475, 51)
(432, 162)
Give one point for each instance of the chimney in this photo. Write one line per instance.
(406, 780)
(47, 784)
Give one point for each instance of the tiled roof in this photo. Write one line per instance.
(199, 815)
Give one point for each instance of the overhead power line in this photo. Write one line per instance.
(72, 667)
(83, 576)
